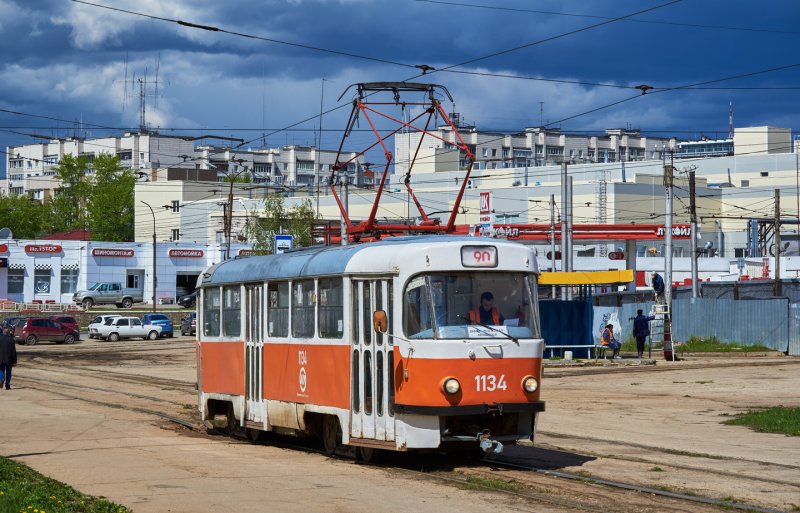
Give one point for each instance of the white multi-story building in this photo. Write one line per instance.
(287, 165)
(534, 148)
(30, 166)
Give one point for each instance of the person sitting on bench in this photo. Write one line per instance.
(608, 340)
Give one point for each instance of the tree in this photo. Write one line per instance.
(277, 220)
(26, 217)
(69, 201)
(110, 204)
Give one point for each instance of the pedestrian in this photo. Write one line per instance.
(641, 330)
(608, 340)
(8, 357)
(658, 286)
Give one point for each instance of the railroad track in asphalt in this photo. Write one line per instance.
(554, 372)
(574, 492)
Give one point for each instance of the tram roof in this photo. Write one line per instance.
(324, 260)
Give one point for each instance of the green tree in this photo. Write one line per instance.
(69, 202)
(26, 217)
(110, 203)
(276, 219)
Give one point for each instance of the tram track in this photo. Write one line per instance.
(553, 372)
(549, 491)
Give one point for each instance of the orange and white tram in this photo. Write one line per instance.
(377, 346)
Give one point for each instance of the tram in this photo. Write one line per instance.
(375, 346)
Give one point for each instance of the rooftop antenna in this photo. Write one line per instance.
(730, 120)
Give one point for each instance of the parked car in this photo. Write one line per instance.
(40, 328)
(127, 327)
(97, 322)
(110, 292)
(189, 300)
(189, 324)
(159, 320)
(11, 322)
(68, 321)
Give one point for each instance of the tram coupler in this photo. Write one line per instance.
(488, 445)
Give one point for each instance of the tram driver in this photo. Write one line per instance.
(486, 313)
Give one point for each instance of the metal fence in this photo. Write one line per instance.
(760, 321)
(794, 329)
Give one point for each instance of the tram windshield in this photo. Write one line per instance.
(461, 305)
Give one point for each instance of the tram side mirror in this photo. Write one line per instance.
(380, 322)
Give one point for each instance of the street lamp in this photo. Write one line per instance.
(154, 252)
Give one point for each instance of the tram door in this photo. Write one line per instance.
(372, 394)
(254, 353)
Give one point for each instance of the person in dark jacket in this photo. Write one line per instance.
(8, 358)
(658, 286)
(641, 329)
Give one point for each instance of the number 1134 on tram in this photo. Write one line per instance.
(410, 343)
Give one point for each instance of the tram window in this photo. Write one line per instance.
(211, 304)
(390, 312)
(356, 385)
(417, 310)
(390, 360)
(368, 382)
(331, 308)
(278, 309)
(354, 311)
(232, 311)
(366, 316)
(303, 308)
(378, 306)
(379, 381)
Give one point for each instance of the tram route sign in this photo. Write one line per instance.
(283, 243)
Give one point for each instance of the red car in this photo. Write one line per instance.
(42, 328)
(68, 321)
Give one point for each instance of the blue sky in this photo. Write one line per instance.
(67, 61)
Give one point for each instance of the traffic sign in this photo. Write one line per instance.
(283, 243)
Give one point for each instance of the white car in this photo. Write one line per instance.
(97, 322)
(128, 327)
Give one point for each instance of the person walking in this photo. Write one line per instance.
(641, 330)
(658, 286)
(8, 357)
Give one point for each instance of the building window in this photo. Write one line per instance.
(176, 234)
(41, 281)
(16, 281)
(69, 280)
(494, 152)
(485, 152)
(133, 281)
(176, 206)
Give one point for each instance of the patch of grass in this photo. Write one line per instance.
(482, 483)
(773, 420)
(24, 489)
(657, 469)
(555, 358)
(714, 345)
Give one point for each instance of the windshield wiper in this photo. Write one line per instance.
(470, 321)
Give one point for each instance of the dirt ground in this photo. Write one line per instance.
(658, 426)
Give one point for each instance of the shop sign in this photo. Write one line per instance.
(43, 248)
(186, 253)
(251, 252)
(112, 253)
(680, 231)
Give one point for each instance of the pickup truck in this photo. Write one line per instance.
(107, 293)
(127, 327)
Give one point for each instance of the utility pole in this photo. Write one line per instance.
(346, 204)
(154, 253)
(318, 160)
(569, 232)
(777, 242)
(563, 224)
(229, 222)
(553, 238)
(668, 170)
(693, 232)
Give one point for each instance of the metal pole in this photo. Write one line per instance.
(346, 204)
(553, 238)
(563, 224)
(229, 221)
(693, 221)
(777, 242)
(569, 232)
(319, 143)
(668, 353)
(154, 253)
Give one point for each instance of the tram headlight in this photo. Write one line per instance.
(451, 386)
(529, 384)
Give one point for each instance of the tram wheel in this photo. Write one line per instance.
(331, 434)
(367, 454)
(254, 434)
